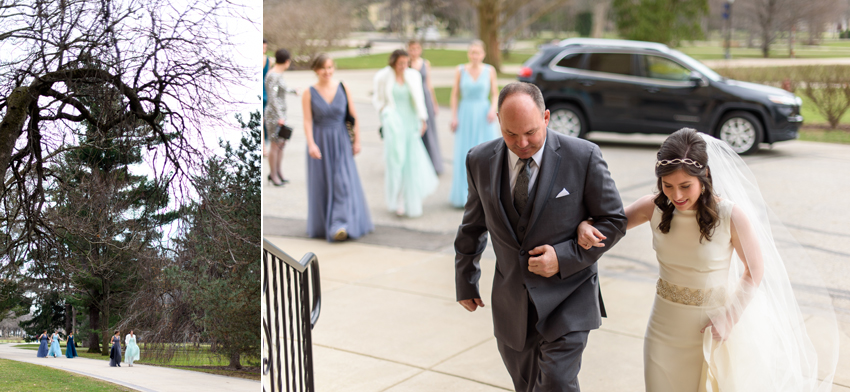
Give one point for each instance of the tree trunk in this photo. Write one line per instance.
(69, 318)
(94, 322)
(600, 16)
(765, 43)
(488, 30)
(234, 361)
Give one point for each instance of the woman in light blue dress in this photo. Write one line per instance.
(336, 203)
(473, 115)
(132, 353)
(42, 347)
(399, 98)
(55, 350)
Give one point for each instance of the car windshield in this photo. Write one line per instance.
(696, 65)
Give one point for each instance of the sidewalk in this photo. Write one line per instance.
(390, 322)
(140, 377)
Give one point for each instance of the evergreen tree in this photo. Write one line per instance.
(665, 21)
(218, 271)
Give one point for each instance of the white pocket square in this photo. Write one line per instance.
(564, 192)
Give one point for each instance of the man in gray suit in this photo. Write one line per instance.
(530, 190)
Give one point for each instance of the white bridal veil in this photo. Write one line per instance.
(785, 334)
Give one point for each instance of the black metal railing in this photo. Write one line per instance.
(292, 299)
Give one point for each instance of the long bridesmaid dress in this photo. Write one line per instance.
(335, 197)
(472, 127)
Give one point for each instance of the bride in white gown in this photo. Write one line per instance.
(725, 317)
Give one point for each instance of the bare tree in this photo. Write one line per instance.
(172, 66)
(494, 14)
(305, 27)
(772, 17)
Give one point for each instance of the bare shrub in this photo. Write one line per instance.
(305, 27)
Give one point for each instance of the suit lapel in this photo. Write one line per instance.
(497, 162)
(546, 177)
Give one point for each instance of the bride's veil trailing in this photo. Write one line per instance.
(786, 334)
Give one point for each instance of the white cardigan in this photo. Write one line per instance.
(382, 96)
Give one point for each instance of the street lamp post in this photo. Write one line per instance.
(727, 15)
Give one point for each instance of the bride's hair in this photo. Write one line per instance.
(686, 144)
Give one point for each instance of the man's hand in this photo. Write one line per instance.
(471, 304)
(546, 264)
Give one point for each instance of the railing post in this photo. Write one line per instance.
(292, 306)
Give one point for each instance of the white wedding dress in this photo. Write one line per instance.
(769, 348)
(673, 346)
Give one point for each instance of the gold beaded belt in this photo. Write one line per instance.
(688, 296)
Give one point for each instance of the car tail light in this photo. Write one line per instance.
(524, 72)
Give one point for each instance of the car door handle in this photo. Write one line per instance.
(652, 89)
(585, 82)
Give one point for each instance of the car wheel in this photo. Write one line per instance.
(567, 119)
(742, 131)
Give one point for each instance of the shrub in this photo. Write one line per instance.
(827, 86)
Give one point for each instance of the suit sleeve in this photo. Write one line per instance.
(470, 242)
(603, 204)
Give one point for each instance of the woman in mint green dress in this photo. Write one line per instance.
(400, 100)
(132, 353)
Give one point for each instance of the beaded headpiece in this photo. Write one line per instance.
(687, 161)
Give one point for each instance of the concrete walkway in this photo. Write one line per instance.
(139, 377)
(389, 322)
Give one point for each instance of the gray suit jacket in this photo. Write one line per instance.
(570, 300)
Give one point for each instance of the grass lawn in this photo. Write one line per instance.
(437, 57)
(198, 360)
(717, 52)
(25, 377)
(826, 136)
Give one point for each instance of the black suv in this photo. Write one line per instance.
(644, 87)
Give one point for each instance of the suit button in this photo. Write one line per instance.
(522, 228)
(522, 253)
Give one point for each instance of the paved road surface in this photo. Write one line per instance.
(140, 377)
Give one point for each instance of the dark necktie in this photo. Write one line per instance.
(521, 187)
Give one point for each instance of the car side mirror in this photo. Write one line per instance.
(697, 79)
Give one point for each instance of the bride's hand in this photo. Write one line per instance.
(720, 331)
(588, 236)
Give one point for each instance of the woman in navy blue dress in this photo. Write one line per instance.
(71, 348)
(115, 351)
(42, 348)
(337, 208)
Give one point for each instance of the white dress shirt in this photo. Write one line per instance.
(516, 165)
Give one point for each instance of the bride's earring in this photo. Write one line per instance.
(703, 190)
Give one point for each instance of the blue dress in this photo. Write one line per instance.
(430, 137)
(71, 349)
(115, 352)
(55, 350)
(410, 175)
(472, 127)
(335, 198)
(266, 68)
(42, 348)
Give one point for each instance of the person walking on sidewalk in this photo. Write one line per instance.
(725, 316)
(71, 347)
(336, 204)
(432, 144)
(473, 105)
(132, 353)
(55, 349)
(530, 190)
(274, 116)
(115, 351)
(42, 346)
(400, 101)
